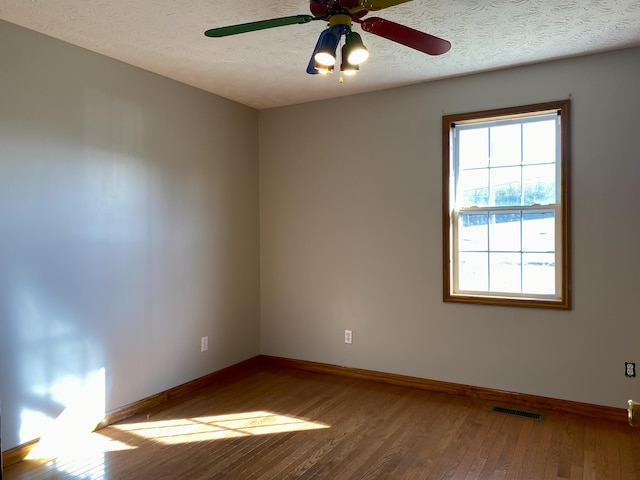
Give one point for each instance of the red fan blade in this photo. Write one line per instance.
(373, 5)
(407, 36)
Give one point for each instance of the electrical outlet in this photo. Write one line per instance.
(204, 344)
(629, 369)
(348, 336)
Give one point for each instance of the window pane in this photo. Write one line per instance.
(474, 272)
(539, 142)
(473, 188)
(473, 232)
(474, 148)
(505, 145)
(505, 272)
(539, 184)
(504, 234)
(538, 232)
(539, 273)
(507, 186)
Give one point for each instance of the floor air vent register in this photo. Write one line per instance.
(517, 413)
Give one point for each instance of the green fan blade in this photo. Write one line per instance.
(373, 5)
(260, 25)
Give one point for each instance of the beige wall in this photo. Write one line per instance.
(350, 199)
(128, 230)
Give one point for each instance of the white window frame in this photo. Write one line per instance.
(451, 212)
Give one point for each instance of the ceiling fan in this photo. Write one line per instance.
(340, 15)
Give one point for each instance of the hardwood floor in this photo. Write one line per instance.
(279, 423)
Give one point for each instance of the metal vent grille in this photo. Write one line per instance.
(517, 413)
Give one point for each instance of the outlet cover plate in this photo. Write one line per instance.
(629, 369)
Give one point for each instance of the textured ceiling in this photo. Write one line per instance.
(267, 68)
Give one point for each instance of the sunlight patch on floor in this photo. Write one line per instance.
(218, 427)
(75, 446)
(82, 456)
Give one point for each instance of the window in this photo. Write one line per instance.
(506, 206)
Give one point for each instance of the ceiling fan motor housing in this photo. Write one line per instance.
(324, 8)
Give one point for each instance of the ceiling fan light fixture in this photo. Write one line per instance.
(324, 69)
(326, 59)
(326, 52)
(356, 52)
(345, 67)
(351, 72)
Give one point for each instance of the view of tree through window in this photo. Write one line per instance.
(506, 206)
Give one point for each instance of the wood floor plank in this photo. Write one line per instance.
(339, 461)
(380, 422)
(297, 449)
(421, 433)
(282, 423)
(477, 430)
